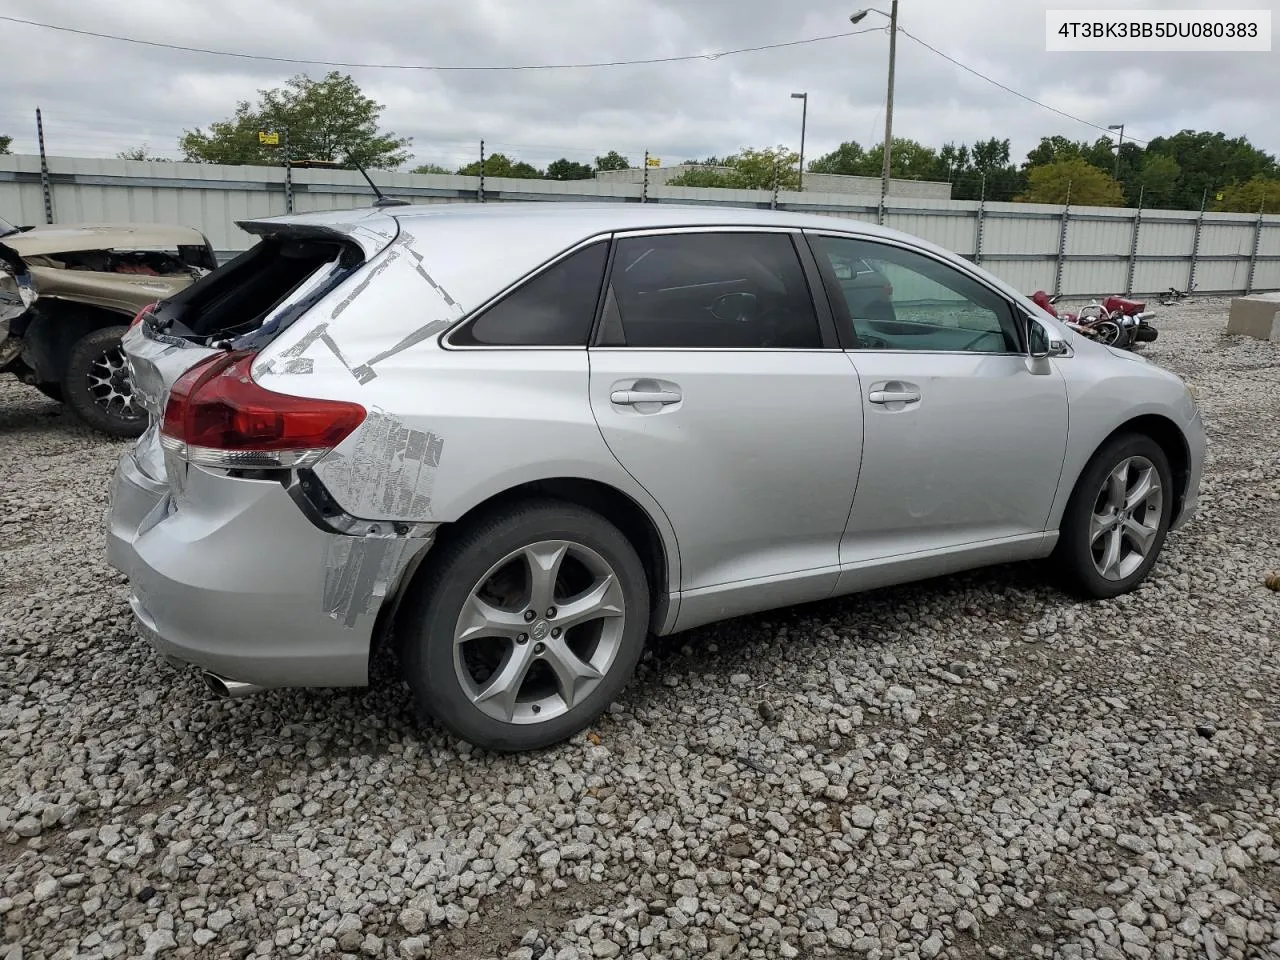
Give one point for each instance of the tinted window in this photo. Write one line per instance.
(554, 309)
(896, 299)
(709, 290)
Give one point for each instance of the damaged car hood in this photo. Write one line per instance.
(42, 241)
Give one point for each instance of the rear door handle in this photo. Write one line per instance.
(893, 396)
(628, 398)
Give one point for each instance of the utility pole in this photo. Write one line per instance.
(888, 106)
(1119, 144)
(804, 120)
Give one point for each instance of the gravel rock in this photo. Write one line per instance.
(977, 766)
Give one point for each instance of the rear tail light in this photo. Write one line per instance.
(142, 313)
(217, 416)
(888, 289)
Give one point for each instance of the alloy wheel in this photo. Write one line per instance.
(110, 387)
(1125, 522)
(539, 631)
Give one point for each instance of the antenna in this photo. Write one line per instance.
(382, 201)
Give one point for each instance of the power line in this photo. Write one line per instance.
(433, 67)
(997, 83)
(555, 66)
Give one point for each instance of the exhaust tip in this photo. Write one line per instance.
(226, 689)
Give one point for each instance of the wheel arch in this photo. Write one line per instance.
(657, 551)
(55, 327)
(1171, 440)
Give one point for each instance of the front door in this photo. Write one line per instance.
(715, 387)
(964, 437)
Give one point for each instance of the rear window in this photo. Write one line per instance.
(235, 300)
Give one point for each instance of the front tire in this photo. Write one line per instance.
(96, 386)
(528, 623)
(1117, 518)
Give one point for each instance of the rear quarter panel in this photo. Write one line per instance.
(447, 429)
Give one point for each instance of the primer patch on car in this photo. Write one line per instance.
(320, 332)
(390, 472)
(392, 255)
(357, 571)
(365, 372)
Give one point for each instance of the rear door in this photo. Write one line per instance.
(964, 437)
(718, 384)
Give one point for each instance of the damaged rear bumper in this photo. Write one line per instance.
(230, 575)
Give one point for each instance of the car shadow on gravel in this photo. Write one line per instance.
(35, 413)
(295, 725)
(1016, 592)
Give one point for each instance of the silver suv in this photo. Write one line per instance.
(514, 439)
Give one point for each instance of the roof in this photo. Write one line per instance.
(477, 249)
(69, 238)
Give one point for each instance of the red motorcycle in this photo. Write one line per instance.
(1116, 322)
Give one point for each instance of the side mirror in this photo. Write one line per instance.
(1042, 344)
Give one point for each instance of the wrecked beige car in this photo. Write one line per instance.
(67, 295)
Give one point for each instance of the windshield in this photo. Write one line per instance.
(6, 227)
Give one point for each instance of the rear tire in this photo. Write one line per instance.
(95, 384)
(1117, 518)
(508, 659)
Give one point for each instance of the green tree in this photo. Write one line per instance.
(909, 160)
(500, 165)
(749, 169)
(990, 174)
(329, 119)
(1209, 161)
(4, 143)
(848, 159)
(139, 153)
(1155, 181)
(1054, 149)
(1075, 179)
(613, 160)
(563, 169)
(1256, 193)
(430, 168)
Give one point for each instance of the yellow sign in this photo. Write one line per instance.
(1217, 196)
(655, 161)
(270, 139)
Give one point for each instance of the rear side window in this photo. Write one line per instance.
(710, 290)
(554, 309)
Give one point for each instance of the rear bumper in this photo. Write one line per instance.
(229, 575)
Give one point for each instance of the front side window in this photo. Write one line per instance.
(554, 309)
(896, 299)
(709, 290)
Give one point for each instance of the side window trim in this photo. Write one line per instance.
(846, 328)
(446, 338)
(828, 328)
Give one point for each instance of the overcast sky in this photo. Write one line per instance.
(101, 96)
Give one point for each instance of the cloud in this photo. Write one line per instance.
(100, 96)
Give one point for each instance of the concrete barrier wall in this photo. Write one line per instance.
(1079, 252)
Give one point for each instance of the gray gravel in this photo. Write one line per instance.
(974, 767)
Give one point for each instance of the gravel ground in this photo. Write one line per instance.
(972, 767)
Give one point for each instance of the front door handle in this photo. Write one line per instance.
(894, 396)
(629, 398)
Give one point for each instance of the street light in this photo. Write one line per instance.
(1119, 144)
(804, 119)
(888, 107)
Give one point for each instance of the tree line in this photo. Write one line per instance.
(332, 120)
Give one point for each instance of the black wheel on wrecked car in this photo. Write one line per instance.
(95, 385)
(528, 623)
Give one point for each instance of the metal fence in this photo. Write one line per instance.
(1075, 251)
